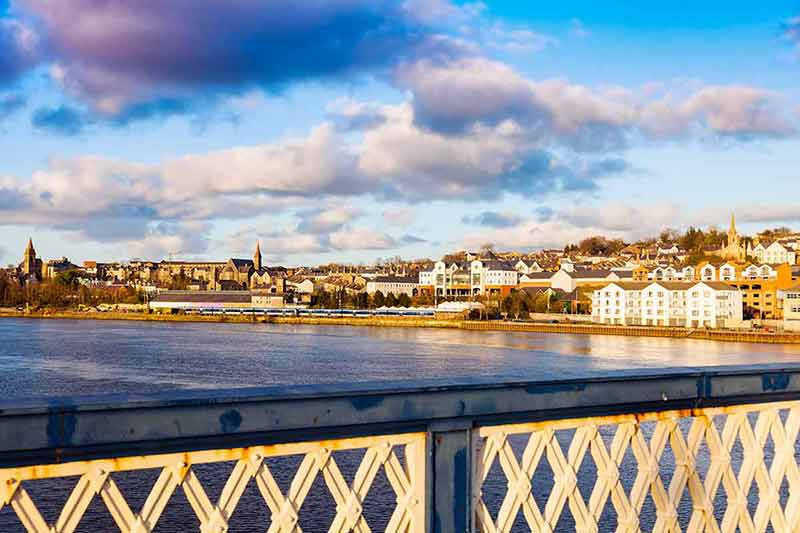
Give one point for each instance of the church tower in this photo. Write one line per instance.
(733, 237)
(257, 257)
(29, 260)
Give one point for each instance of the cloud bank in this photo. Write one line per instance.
(124, 59)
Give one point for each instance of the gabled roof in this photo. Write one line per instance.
(539, 275)
(204, 297)
(671, 285)
(395, 279)
(499, 265)
(590, 274)
(631, 285)
(717, 285)
(243, 265)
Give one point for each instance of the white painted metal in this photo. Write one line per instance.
(407, 480)
(647, 446)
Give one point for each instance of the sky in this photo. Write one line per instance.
(351, 130)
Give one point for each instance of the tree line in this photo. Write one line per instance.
(63, 291)
(342, 299)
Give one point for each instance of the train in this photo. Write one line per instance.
(308, 312)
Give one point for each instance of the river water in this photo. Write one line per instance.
(41, 358)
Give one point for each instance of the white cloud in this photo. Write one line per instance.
(399, 216)
(515, 40)
(361, 239)
(166, 239)
(326, 220)
(455, 96)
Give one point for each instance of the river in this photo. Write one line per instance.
(45, 358)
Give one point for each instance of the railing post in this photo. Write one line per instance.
(451, 465)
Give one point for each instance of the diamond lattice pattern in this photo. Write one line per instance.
(711, 450)
(406, 478)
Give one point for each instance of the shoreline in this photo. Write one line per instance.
(415, 322)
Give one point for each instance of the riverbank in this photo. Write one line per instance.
(414, 322)
(417, 322)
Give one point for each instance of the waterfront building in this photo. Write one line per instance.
(223, 301)
(396, 285)
(791, 308)
(694, 304)
(465, 278)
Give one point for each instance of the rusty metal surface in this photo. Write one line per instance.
(697, 467)
(406, 477)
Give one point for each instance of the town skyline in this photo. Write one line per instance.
(580, 121)
(667, 236)
(713, 279)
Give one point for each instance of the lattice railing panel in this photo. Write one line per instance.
(399, 458)
(717, 469)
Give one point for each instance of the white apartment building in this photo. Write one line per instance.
(396, 285)
(776, 252)
(470, 278)
(668, 303)
(791, 308)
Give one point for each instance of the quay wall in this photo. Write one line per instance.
(418, 322)
(638, 331)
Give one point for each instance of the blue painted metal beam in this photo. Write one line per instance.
(105, 426)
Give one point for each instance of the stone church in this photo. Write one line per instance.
(31, 267)
(735, 248)
(250, 274)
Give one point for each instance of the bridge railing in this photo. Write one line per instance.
(687, 450)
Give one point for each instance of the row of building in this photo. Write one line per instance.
(710, 304)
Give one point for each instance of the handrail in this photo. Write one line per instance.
(63, 429)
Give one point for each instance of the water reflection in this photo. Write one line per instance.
(43, 357)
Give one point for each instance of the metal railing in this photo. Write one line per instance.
(686, 450)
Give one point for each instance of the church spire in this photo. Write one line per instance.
(733, 223)
(29, 259)
(257, 256)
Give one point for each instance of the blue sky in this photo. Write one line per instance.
(351, 129)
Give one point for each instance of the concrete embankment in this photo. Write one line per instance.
(409, 322)
(416, 322)
(637, 331)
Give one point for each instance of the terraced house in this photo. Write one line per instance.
(710, 304)
(780, 251)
